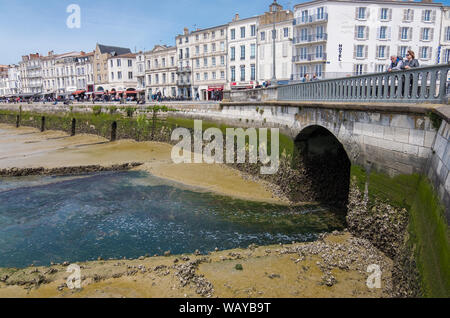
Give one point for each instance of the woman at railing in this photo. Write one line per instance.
(410, 63)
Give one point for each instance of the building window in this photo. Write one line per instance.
(130, 63)
(205, 76)
(304, 16)
(360, 34)
(242, 52)
(382, 33)
(242, 32)
(213, 61)
(119, 75)
(447, 56)
(381, 52)
(359, 69)
(233, 74)
(112, 76)
(404, 33)
(361, 13)
(252, 51)
(197, 76)
(205, 62)
(222, 60)
(233, 34)
(253, 72)
(205, 48)
(253, 30)
(286, 32)
(242, 73)
(213, 47)
(384, 14)
(320, 13)
(424, 53)
(426, 34)
(379, 68)
(426, 15)
(408, 15)
(263, 36)
(319, 70)
(112, 64)
(402, 51)
(233, 53)
(360, 51)
(222, 75)
(130, 75)
(119, 62)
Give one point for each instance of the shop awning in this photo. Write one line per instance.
(79, 92)
(215, 88)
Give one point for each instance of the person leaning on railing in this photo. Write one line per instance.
(410, 63)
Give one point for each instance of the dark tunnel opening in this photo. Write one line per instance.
(325, 167)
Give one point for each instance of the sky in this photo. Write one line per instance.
(30, 26)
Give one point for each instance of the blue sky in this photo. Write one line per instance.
(28, 26)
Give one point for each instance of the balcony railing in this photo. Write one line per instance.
(309, 57)
(311, 19)
(184, 69)
(311, 38)
(427, 85)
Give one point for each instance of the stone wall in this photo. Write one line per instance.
(438, 170)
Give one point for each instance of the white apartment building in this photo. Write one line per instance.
(242, 50)
(31, 74)
(209, 62)
(184, 68)
(444, 53)
(3, 80)
(49, 87)
(14, 81)
(338, 38)
(84, 70)
(278, 24)
(122, 70)
(65, 70)
(140, 72)
(161, 71)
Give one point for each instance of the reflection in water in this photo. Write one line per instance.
(129, 214)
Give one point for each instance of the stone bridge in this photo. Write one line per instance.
(391, 138)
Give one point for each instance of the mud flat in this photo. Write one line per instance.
(26, 149)
(334, 266)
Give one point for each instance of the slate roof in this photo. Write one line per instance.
(113, 50)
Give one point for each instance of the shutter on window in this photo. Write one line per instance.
(380, 12)
(365, 68)
(367, 32)
(366, 51)
(388, 51)
(423, 15)
(433, 16)
(410, 31)
(354, 51)
(421, 33)
(378, 33)
(399, 33)
(389, 32)
(431, 34)
(390, 14)
(405, 15)
(367, 13)
(377, 51)
(356, 12)
(356, 32)
(429, 52)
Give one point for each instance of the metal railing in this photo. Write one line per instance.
(311, 19)
(310, 57)
(310, 38)
(427, 84)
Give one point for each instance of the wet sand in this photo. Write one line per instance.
(28, 148)
(289, 271)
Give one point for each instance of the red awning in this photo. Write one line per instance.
(79, 92)
(215, 88)
(130, 92)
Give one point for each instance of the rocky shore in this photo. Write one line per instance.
(334, 266)
(65, 171)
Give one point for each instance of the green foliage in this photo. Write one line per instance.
(112, 110)
(97, 110)
(436, 120)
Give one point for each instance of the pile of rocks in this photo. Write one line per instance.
(186, 273)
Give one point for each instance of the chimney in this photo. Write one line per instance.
(236, 17)
(186, 31)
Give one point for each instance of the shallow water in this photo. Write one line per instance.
(130, 214)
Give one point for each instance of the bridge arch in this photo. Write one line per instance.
(324, 165)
